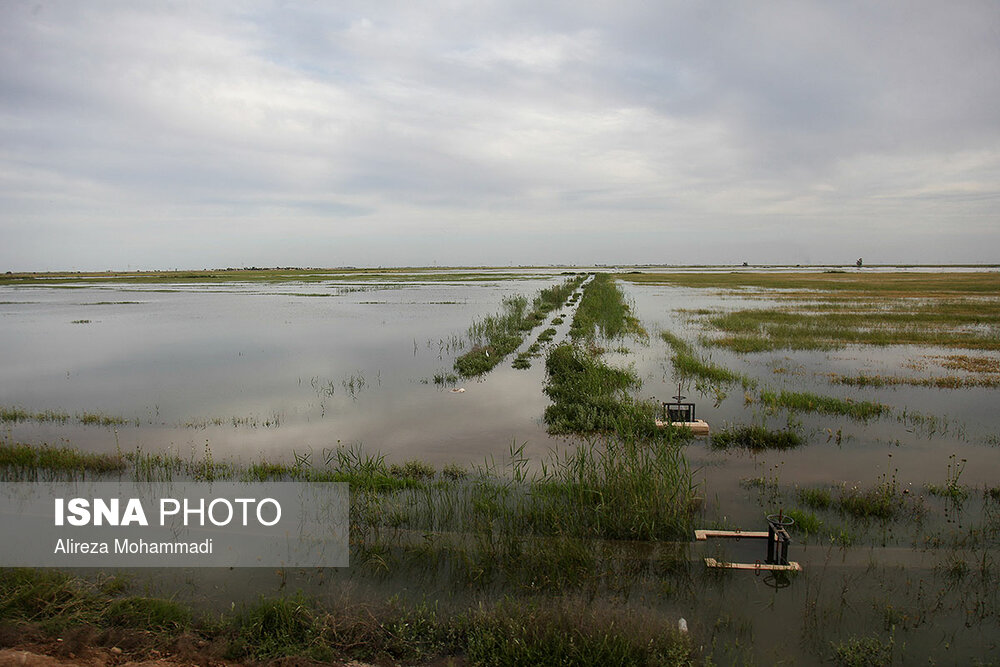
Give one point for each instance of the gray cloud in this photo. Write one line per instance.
(376, 133)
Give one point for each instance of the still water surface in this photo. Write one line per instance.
(251, 370)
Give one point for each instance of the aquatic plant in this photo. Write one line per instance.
(755, 438)
(810, 402)
(588, 396)
(687, 364)
(496, 336)
(603, 309)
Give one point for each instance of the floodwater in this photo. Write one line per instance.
(281, 370)
(264, 371)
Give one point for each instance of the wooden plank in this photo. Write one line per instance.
(698, 426)
(759, 567)
(754, 534)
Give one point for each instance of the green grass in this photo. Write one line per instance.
(885, 501)
(863, 652)
(815, 498)
(805, 522)
(688, 364)
(810, 402)
(11, 414)
(261, 275)
(535, 632)
(854, 308)
(603, 310)
(26, 460)
(588, 396)
(755, 438)
(757, 330)
(145, 613)
(944, 382)
(496, 336)
(852, 284)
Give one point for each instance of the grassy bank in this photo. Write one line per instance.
(542, 632)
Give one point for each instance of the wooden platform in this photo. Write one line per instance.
(698, 426)
(759, 567)
(705, 534)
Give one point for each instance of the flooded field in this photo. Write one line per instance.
(892, 481)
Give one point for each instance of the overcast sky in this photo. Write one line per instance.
(209, 134)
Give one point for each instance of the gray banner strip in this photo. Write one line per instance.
(174, 524)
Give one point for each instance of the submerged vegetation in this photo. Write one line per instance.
(688, 364)
(589, 396)
(810, 402)
(585, 555)
(496, 336)
(10, 414)
(755, 438)
(956, 310)
(603, 310)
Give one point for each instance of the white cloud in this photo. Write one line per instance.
(595, 126)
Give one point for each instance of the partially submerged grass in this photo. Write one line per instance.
(862, 652)
(589, 396)
(852, 284)
(758, 330)
(263, 275)
(28, 459)
(856, 308)
(815, 498)
(496, 336)
(756, 438)
(810, 402)
(946, 382)
(12, 414)
(603, 310)
(687, 363)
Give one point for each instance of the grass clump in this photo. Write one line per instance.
(165, 616)
(805, 522)
(413, 469)
(603, 309)
(496, 336)
(756, 438)
(687, 363)
(943, 382)
(540, 635)
(863, 652)
(276, 627)
(9, 414)
(24, 461)
(884, 501)
(588, 396)
(810, 402)
(815, 498)
(619, 490)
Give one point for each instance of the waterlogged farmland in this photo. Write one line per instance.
(265, 368)
(512, 500)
